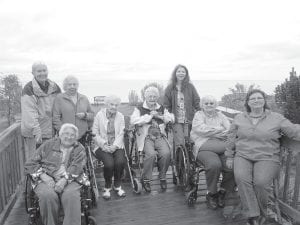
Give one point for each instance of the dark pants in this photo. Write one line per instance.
(211, 155)
(113, 166)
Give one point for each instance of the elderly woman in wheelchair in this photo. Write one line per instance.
(109, 125)
(209, 130)
(56, 167)
(150, 118)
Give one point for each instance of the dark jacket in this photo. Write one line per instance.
(191, 101)
(49, 156)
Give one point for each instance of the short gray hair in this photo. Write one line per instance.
(67, 79)
(150, 90)
(112, 98)
(38, 63)
(209, 98)
(66, 126)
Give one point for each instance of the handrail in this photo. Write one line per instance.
(289, 179)
(11, 167)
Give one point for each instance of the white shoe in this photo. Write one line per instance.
(120, 191)
(106, 193)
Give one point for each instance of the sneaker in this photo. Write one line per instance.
(163, 184)
(106, 193)
(120, 191)
(221, 198)
(212, 200)
(146, 185)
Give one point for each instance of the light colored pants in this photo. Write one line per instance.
(156, 148)
(254, 179)
(178, 135)
(49, 203)
(30, 146)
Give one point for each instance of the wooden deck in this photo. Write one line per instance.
(155, 208)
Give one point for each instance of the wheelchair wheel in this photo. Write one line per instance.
(137, 186)
(182, 166)
(191, 197)
(92, 221)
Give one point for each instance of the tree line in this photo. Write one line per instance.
(286, 99)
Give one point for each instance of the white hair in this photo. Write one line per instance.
(38, 63)
(66, 126)
(151, 90)
(209, 98)
(67, 79)
(112, 99)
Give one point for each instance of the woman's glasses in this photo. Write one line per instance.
(209, 103)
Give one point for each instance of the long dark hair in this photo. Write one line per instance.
(251, 92)
(185, 81)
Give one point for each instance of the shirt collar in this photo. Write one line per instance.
(157, 106)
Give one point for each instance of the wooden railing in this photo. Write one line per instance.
(11, 167)
(289, 180)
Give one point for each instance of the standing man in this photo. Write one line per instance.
(36, 107)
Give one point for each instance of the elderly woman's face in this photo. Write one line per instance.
(209, 105)
(68, 137)
(256, 100)
(180, 74)
(71, 86)
(112, 107)
(151, 98)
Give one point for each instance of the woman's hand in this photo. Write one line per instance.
(47, 180)
(60, 185)
(229, 163)
(81, 115)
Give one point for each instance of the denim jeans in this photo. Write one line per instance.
(254, 179)
(156, 148)
(49, 204)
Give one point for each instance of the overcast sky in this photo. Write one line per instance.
(138, 39)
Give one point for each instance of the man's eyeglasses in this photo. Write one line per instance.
(209, 103)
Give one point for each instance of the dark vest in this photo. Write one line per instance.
(144, 111)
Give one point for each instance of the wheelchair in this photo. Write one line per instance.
(185, 168)
(88, 191)
(134, 159)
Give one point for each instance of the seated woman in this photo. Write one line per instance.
(151, 116)
(56, 164)
(254, 149)
(108, 128)
(209, 128)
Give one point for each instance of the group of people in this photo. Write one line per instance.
(245, 151)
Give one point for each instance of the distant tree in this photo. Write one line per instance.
(160, 89)
(133, 98)
(236, 99)
(10, 100)
(287, 97)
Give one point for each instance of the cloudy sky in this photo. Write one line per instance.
(138, 39)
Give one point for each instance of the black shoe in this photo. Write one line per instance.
(221, 198)
(146, 185)
(212, 200)
(163, 184)
(252, 221)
